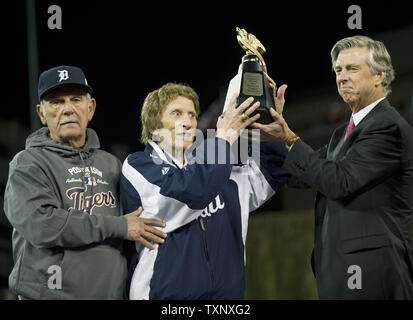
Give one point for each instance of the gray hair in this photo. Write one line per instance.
(378, 58)
(88, 97)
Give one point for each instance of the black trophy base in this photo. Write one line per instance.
(265, 115)
(255, 84)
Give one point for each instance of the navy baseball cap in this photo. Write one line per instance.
(62, 76)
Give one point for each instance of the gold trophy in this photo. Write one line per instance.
(251, 80)
(251, 45)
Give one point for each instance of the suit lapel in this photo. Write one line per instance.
(340, 147)
(336, 142)
(381, 106)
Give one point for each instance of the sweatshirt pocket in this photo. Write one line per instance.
(98, 272)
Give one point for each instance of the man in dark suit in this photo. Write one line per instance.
(364, 182)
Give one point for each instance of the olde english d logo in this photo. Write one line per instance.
(63, 75)
(87, 204)
(213, 207)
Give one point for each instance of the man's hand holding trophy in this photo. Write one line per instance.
(252, 80)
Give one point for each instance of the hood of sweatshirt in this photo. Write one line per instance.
(41, 138)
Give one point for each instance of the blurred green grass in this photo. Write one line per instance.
(278, 252)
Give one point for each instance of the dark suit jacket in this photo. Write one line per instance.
(363, 207)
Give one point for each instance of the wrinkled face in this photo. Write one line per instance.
(178, 124)
(67, 112)
(355, 82)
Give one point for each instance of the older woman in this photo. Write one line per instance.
(205, 204)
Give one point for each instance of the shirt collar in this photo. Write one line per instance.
(359, 115)
(166, 156)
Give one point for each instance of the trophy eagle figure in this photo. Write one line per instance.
(251, 45)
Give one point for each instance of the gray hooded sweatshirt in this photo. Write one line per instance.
(64, 206)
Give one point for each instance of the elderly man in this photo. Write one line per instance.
(62, 200)
(364, 179)
(202, 196)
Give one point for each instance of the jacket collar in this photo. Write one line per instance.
(164, 155)
(338, 135)
(359, 115)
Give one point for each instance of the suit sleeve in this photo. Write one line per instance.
(35, 212)
(272, 157)
(373, 157)
(296, 182)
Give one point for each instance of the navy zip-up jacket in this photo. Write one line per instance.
(206, 209)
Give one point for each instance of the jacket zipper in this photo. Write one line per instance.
(208, 259)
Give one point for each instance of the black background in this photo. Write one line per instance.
(129, 48)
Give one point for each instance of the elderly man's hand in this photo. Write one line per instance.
(143, 229)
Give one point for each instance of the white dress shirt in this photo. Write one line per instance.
(359, 115)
